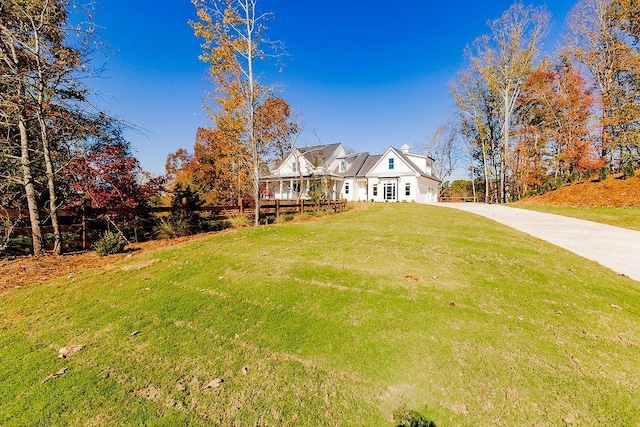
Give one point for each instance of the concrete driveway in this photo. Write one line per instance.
(614, 247)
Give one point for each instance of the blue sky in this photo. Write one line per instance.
(369, 74)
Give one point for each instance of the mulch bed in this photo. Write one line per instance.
(28, 270)
(612, 192)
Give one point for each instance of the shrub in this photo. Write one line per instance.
(302, 216)
(110, 243)
(173, 226)
(603, 173)
(628, 170)
(408, 418)
(573, 177)
(588, 173)
(214, 225)
(238, 220)
(282, 218)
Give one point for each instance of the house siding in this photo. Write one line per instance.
(361, 173)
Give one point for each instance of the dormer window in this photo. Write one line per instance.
(343, 165)
(391, 163)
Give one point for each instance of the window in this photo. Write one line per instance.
(346, 188)
(389, 191)
(296, 166)
(391, 161)
(343, 165)
(407, 189)
(375, 189)
(296, 187)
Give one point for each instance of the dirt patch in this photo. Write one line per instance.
(139, 265)
(612, 192)
(28, 270)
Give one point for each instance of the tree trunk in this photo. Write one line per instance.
(51, 184)
(30, 192)
(250, 22)
(505, 154)
(486, 173)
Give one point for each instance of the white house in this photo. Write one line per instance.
(396, 175)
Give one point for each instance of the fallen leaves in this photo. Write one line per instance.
(138, 265)
(69, 350)
(60, 373)
(215, 383)
(613, 191)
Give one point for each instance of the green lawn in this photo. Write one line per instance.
(339, 322)
(619, 217)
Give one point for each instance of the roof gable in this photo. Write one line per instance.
(401, 165)
(309, 158)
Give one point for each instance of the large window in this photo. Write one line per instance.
(389, 191)
(375, 189)
(391, 163)
(407, 189)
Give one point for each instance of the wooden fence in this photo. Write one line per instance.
(461, 199)
(82, 221)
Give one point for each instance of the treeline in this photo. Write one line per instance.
(533, 121)
(56, 149)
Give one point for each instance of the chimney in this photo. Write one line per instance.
(405, 149)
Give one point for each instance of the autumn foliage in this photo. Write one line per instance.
(110, 177)
(534, 124)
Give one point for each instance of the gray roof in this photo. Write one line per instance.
(414, 166)
(355, 167)
(323, 152)
(368, 165)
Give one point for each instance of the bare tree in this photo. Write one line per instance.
(444, 147)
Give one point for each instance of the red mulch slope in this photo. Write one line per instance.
(613, 192)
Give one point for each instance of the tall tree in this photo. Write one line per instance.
(42, 58)
(506, 57)
(233, 33)
(479, 124)
(599, 42)
(15, 39)
(553, 126)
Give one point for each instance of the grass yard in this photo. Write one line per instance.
(336, 322)
(627, 217)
